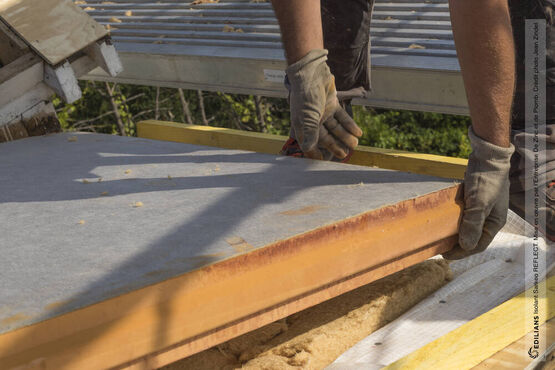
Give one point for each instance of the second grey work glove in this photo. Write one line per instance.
(486, 196)
(317, 118)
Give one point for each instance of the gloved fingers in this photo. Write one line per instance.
(491, 228)
(347, 122)
(328, 142)
(471, 227)
(481, 223)
(340, 133)
(494, 222)
(326, 154)
(314, 153)
(489, 232)
(310, 146)
(309, 143)
(358, 92)
(307, 132)
(457, 253)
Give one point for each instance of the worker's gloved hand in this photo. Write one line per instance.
(486, 196)
(317, 119)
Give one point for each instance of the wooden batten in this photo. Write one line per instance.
(425, 164)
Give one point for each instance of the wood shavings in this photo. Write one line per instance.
(416, 46)
(79, 2)
(115, 20)
(239, 244)
(127, 172)
(302, 211)
(72, 139)
(128, 13)
(231, 29)
(137, 204)
(81, 222)
(360, 184)
(88, 8)
(197, 2)
(212, 170)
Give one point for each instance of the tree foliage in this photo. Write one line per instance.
(421, 132)
(404, 130)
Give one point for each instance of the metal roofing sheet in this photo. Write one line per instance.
(407, 27)
(234, 46)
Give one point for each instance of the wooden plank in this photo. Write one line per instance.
(479, 339)
(226, 243)
(11, 47)
(25, 106)
(426, 164)
(55, 29)
(105, 57)
(43, 121)
(19, 77)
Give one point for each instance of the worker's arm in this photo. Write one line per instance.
(301, 27)
(484, 41)
(318, 121)
(482, 32)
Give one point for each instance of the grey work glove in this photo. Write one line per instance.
(317, 119)
(486, 196)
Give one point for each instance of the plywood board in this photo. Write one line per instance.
(56, 29)
(116, 249)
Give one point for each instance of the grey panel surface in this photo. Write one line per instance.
(197, 201)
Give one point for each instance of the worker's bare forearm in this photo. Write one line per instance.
(301, 27)
(484, 41)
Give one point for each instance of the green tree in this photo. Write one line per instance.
(404, 130)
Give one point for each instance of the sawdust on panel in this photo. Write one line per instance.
(315, 337)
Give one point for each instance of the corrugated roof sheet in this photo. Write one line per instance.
(234, 46)
(419, 28)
